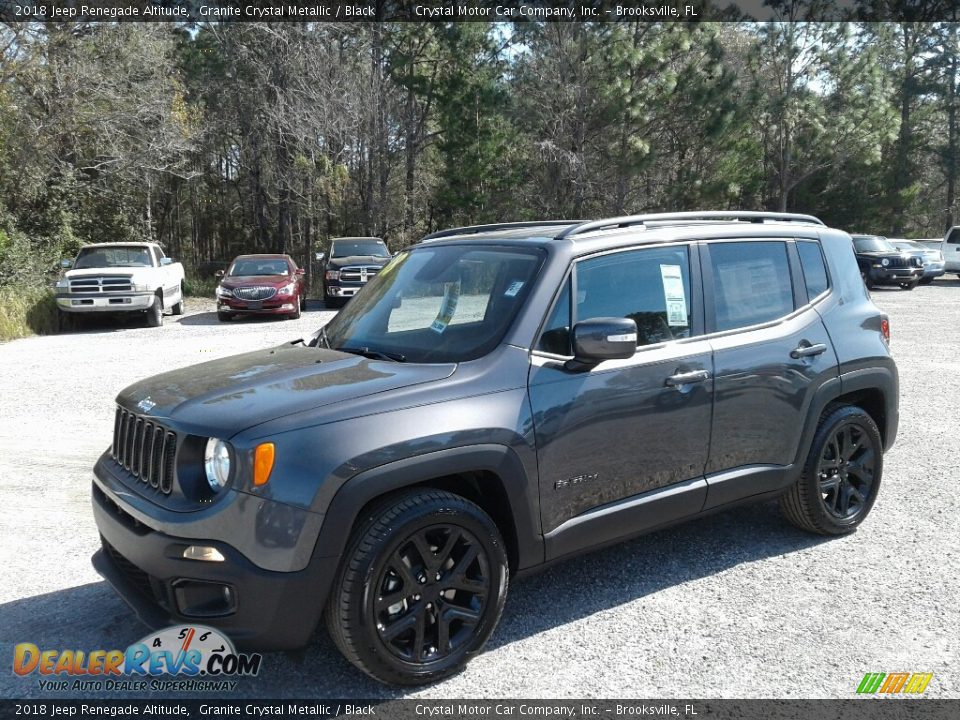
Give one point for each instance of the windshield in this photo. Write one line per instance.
(908, 245)
(438, 304)
(262, 266)
(107, 257)
(351, 248)
(872, 243)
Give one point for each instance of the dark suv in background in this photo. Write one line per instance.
(497, 398)
(352, 262)
(881, 263)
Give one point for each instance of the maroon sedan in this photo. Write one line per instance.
(261, 285)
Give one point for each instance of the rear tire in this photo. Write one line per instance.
(420, 588)
(178, 308)
(841, 475)
(155, 313)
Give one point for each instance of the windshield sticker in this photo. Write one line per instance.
(514, 288)
(451, 296)
(674, 295)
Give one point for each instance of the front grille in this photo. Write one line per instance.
(101, 283)
(359, 273)
(145, 448)
(255, 292)
(905, 262)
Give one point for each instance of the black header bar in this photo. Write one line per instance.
(195, 11)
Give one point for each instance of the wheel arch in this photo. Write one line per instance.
(491, 476)
(874, 389)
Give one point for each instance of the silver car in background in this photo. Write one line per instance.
(931, 257)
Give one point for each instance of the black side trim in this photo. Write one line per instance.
(635, 515)
(731, 486)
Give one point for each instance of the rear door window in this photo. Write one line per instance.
(751, 283)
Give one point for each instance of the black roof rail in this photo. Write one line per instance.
(474, 229)
(681, 217)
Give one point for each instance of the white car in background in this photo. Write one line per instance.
(950, 247)
(931, 257)
(134, 277)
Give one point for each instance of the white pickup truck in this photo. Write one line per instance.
(121, 278)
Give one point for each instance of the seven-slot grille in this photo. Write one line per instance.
(145, 448)
(359, 273)
(255, 292)
(101, 283)
(905, 262)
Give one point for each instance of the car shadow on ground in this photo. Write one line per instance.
(210, 318)
(92, 617)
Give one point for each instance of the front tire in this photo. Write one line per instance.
(420, 588)
(909, 285)
(155, 313)
(841, 476)
(223, 316)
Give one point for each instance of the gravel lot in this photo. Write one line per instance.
(739, 605)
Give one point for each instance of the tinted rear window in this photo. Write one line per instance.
(814, 270)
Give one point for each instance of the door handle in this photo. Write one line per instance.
(687, 378)
(802, 351)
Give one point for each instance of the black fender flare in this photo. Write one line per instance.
(522, 493)
(882, 379)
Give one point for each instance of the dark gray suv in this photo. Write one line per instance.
(496, 398)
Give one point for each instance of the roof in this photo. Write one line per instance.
(119, 244)
(264, 256)
(376, 239)
(575, 229)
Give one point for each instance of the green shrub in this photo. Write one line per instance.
(27, 311)
(194, 286)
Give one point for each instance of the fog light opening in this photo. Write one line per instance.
(204, 553)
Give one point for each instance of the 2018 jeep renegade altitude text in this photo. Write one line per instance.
(498, 397)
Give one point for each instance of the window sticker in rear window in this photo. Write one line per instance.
(674, 295)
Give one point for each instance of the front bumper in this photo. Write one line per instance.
(120, 302)
(934, 269)
(894, 276)
(273, 306)
(265, 610)
(342, 290)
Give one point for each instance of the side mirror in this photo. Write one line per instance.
(166, 261)
(301, 271)
(320, 255)
(218, 274)
(600, 339)
(65, 264)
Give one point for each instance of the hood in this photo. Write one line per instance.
(357, 260)
(247, 280)
(882, 254)
(223, 397)
(96, 272)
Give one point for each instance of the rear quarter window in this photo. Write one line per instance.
(814, 269)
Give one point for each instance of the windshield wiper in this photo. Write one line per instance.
(373, 354)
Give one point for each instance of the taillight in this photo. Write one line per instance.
(885, 330)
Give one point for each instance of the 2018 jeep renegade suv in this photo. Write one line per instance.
(496, 398)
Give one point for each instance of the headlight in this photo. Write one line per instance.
(62, 284)
(216, 463)
(885, 262)
(224, 292)
(288, 289)
(332, 275)
(141, 288)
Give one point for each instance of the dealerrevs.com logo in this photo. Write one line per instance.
(204, 658)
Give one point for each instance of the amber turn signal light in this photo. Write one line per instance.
(263, 463)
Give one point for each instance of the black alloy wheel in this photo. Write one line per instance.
(431, 593)
(420, 588)
(847, 471)
(841, 476)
